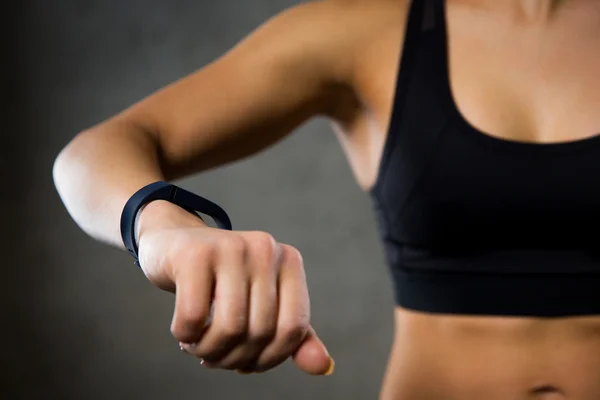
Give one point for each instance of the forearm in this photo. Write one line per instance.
(98, 172)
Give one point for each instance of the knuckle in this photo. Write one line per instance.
(193, 314)
(240, 358)
(266, 251)
(177, 332)
(181, 331)
(263, 335)
(233, 331)
(266, 363)
(295, 257)
(232, 244)
(229, 365)
(211, 352)
(294, 331)
(235, 365)
(192, 254)
(188, 324)
(264, 240)
(265, 245)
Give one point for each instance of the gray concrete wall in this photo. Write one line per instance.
(81, 322)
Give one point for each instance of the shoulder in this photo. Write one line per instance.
(339, 32)
(345, 42)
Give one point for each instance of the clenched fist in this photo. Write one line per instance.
(256, 286)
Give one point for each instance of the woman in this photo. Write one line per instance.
(477, 151)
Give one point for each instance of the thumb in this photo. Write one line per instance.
(312, 356)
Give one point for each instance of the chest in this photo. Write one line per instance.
(462, 190)
(508, 81)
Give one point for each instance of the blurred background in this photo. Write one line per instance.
(80, 321)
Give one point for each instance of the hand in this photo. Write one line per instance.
(261, 313)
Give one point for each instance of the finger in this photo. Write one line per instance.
(230, 317)
(293, 312)
(264, 256)
(194, 282)
(312, 356)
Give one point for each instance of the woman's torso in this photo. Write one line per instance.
(515, 77)
(493, 358)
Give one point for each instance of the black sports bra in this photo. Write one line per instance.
(473, 224)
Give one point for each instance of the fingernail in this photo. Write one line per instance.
(201, 361)
(331, 367)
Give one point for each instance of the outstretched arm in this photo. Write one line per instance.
(294, 67)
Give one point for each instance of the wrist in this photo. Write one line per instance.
(161, 214)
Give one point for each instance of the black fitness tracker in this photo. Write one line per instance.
(173, 194)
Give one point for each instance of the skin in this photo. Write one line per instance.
(520, 70)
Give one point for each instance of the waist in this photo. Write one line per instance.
(470, 357)
(537, 283)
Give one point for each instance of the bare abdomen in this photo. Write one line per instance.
(475, 358)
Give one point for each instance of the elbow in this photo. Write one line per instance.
(67, 171)
(61, 167)
(97, 169)
(75, 175)
(64, 165)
